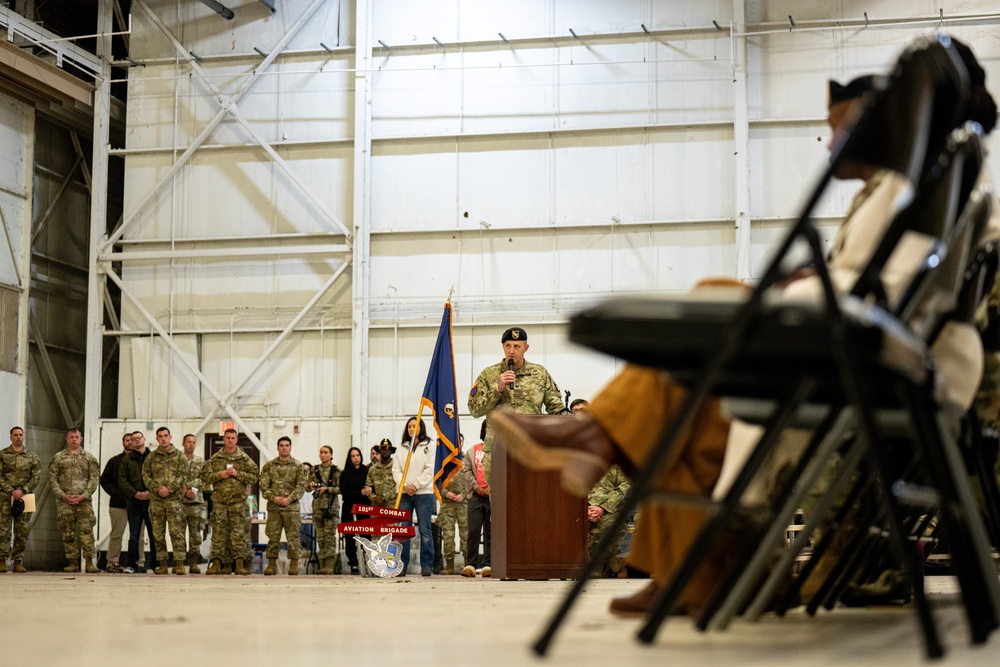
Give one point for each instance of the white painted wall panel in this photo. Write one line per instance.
(607, 166)
(163, 385)
(16, 126)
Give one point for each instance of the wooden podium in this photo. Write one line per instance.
(539, 530)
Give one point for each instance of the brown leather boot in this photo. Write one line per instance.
(636, 604)
(227, 568)
(163, 569)
(3, 564)
(271, 569)
(179, 567)
(193, 564)
(327, 567)
(19, 567)
(214, 567)
(293, 567)
(241, 569)
(89, 566)
(72, 567)
(577, 445)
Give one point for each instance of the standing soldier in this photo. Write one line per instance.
(454, 509)
(515, 384)
(230, 472)
(19, 471)
(282, 483)
(380, 487)
(163, 473)
(325, 485)
(193, 502)
(73, 477)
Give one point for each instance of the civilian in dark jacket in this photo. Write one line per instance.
(130, 481)
(352, 480)
(117, 503)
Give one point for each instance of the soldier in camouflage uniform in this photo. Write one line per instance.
(193, 502)
(325, 485)
(163, 472)
(380, 487)
(454, 509)
(230, 472)
(603, 502)
(524, 390)
(19, 472)
(282, 483)
(73, 477)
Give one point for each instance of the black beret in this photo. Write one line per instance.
(16, 508)
(855, 88)
(514, 333)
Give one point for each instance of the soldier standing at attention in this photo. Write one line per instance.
(73, 478)
(282, 483)
(325, 485)
(163, 473)
(19, 471)
(513, 383)
(230, 472)
(193, 502)
(454, 510)
(380, 486)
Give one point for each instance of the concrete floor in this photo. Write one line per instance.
(107, 620)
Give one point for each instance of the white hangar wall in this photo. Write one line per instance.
(533, 176)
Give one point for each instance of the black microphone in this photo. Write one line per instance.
(510, 367)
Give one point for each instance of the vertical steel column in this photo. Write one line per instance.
(741, 139)
(98, 227)
(361, 275)
(19, 412)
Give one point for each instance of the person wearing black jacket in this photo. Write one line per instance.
(117, 502)
(352, 480)
(130, 481)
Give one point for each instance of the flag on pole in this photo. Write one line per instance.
(440, 397)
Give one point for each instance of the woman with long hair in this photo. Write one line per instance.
(352, 480)
(418, 489)
(325, 485)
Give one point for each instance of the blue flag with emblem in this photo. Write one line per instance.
(441, 398)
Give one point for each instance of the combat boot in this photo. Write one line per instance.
(3, 565)
(193, 564)
(19, 567)
(327, 567)
(90, 567)
(449, 566)
(240, 568)
(163, 569)
(214, 567)
(227, 568)
(293, 567)
(72, 567)
(271, 569)
(179, 567)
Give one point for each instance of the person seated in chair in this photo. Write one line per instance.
(626, 418)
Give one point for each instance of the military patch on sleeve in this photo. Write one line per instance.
(474, 391)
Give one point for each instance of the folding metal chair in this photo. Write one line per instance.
(902, 128)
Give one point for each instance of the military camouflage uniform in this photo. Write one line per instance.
(383, 485)
(286, 479)
(453, 512)
(18, 470)
(167, 469)
(230, 513)
(194, 508)
(609, 494)
(75, 474)
(533, 389)
(326, 528)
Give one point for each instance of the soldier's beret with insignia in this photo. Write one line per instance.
(514, 333)
(16, 508)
